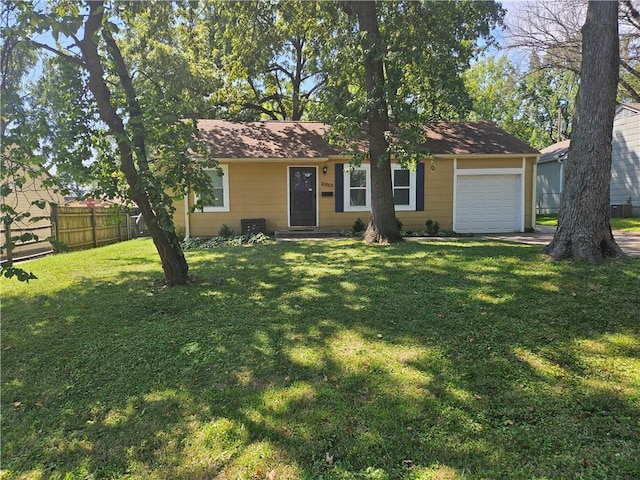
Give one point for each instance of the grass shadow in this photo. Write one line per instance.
(330, 360)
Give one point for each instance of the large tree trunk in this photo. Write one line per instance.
(383, 226)
(165, 240)
(584, 232)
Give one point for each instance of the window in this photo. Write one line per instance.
(220, 190)
(353, 188)
(404, 188)
(357, 186)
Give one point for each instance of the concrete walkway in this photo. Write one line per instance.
(629, 242)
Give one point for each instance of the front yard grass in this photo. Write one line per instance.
(326, 360)
(622, 224)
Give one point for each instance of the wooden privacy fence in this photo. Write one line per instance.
(84, 227)
(31, 248)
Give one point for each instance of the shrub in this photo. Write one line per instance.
(225, 231)
(180, 232)
(257, 238)
(250, 239)
(432, 227)
(399, 224)
(359, 226)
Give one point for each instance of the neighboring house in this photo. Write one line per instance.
(551, 176)
(22, 201)
(625, 167)
(481, 179)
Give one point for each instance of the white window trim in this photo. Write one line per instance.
(347, 189)
(412, 189)
(225, 192)
(365, 208)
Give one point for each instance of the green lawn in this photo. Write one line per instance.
(326, 360)
(622, 224)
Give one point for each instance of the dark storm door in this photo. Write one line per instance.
(302, 196)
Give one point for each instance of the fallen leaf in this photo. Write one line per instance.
(328, 458)
(508, 423)
(17, 404)
(39, 403)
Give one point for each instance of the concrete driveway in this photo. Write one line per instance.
(629, 242)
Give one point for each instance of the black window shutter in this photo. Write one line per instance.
(420, 187)
(339, 195)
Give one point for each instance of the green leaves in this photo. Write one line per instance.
(525, 105)
(20, 274)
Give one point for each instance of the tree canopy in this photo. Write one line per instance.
(535, 105)
(400, 63)
(553, 31)
(113, 122)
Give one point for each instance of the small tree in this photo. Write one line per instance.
(152, 144)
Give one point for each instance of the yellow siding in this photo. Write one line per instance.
(256, 190)
(529, 195)
(259, 190)
(21, 201)
(438, 197)
(490, 163)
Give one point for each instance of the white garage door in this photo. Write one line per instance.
(488, 204)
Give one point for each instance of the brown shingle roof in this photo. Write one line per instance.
(274, 139)
(472, 138)
(270, 139)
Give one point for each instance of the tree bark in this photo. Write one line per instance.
(165, 240)
(382, 227)
(584, 231)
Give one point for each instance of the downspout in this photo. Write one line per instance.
(534, 192)
(523, 183)
(455, 189)
(187, 229)
(561, 162)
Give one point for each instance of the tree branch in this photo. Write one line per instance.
(630, 90)
(630, 69)
(135, 111)
(78, 61)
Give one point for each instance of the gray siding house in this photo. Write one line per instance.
(625, 167)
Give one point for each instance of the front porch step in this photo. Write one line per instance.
(309, 234)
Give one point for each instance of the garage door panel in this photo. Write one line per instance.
(488, 203)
